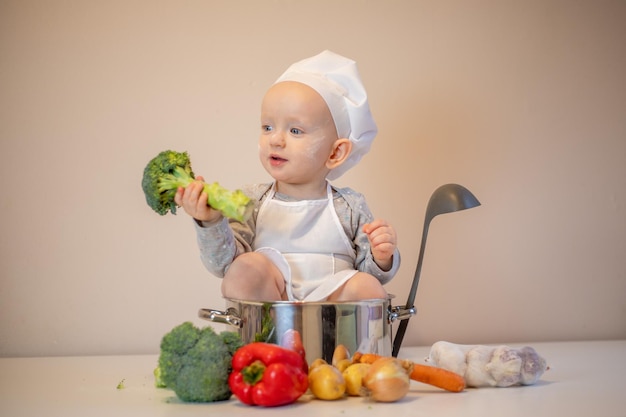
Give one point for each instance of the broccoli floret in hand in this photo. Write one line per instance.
(195, 363)
(170, 170)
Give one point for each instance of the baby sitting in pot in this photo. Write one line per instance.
(307, 240)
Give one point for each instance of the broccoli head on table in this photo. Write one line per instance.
(169, 170)
(195, 363)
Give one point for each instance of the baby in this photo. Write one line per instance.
(307, 240)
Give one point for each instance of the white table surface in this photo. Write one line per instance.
(584, 379)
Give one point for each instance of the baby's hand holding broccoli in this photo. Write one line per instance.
(169, 170)
(193, 200)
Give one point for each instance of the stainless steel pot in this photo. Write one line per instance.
(364, 326)
(361, 325)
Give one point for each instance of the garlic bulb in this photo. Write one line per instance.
(489, 366)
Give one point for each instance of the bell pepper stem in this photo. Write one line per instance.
(253, 372)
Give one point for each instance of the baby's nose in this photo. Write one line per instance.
(277, 138)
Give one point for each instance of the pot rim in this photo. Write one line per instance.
(373, 301)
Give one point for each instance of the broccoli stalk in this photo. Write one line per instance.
(196, 363)
(169, 170)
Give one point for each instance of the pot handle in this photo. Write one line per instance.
(401, 313)
(230, 316)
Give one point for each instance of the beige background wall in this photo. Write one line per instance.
(523, 102)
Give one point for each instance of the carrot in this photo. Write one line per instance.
(439, 377)
(431, 375)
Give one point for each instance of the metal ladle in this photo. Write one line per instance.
(447, 198)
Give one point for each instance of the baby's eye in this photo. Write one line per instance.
(295, 131)
(266, 128)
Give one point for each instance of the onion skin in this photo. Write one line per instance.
(387, 380)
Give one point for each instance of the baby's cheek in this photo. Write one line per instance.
(313, 150)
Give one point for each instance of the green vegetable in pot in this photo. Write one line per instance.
(196, 363)
(268, 328)
(169, 170)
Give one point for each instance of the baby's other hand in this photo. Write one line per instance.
(193, 200)
(383, 241)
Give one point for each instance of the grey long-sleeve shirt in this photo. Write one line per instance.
(220, 242)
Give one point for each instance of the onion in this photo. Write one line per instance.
(387, 380)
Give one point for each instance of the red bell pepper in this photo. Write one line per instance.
(267, 375)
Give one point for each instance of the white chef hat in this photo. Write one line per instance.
(337, 80)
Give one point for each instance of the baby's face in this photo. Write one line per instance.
(297, 134)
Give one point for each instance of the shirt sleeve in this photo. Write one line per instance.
(354, 213)
(220, 242)
(217, 245)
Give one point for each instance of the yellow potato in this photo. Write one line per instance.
(326, 382)
(353, 375)
(341, 353)
(317, 362)
(343, 364)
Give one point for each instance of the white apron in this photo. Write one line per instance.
(307, 243)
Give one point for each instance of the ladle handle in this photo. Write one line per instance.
(447, 198)
(397, 341)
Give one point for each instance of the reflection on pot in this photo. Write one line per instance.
(362, 326)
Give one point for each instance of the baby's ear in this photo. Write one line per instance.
(340, 152)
